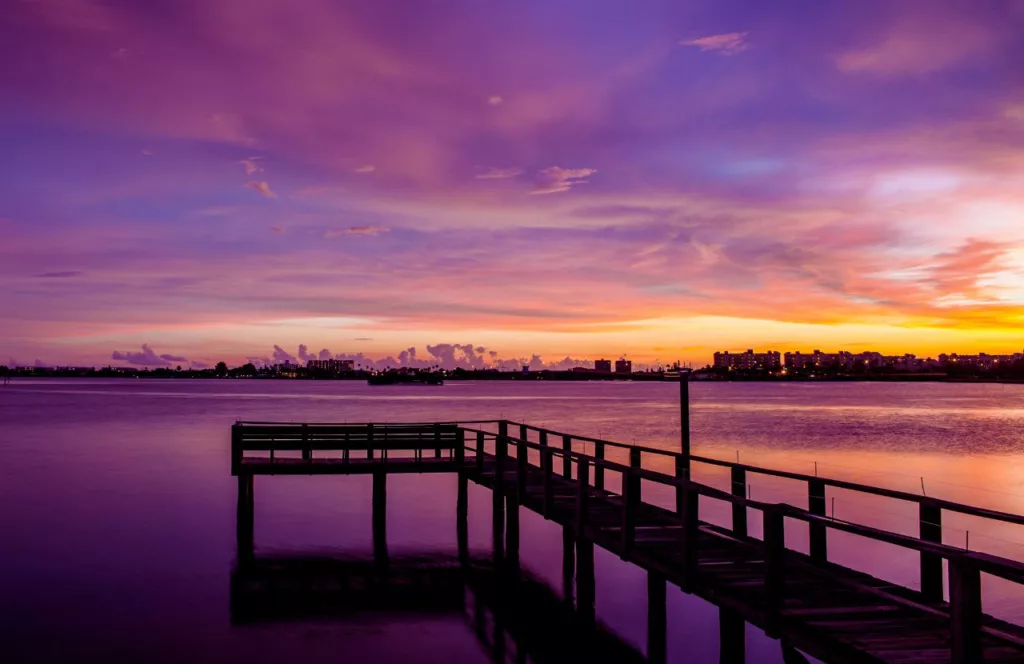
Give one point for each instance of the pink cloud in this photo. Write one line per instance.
(556, 179)
(356, 230)
(499, 173)
(729, 43)
(261, 188)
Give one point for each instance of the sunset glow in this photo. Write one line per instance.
(212, 178)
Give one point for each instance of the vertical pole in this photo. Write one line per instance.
(630, 500)
(498, 526)
(460, 447)
(568, 564)
(369, 441)
(380, 519)
(739, 511)
(547, 460)
(732, 636)
(965, 610)
(479, 451)
(774, 558)
(582, 495)
(500, 452)
(684, 416)
(818, 531)
(236, 448)
(682, 475)
(307, 453)
(931, 563)
(462, 519)
(566, 460)
(657, 619)
(522, 464)
(437, 440)
(598, 468)
(512, 533)
(688, 510)
(245, 518)
(585, 585)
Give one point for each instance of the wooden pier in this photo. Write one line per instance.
(831, 612)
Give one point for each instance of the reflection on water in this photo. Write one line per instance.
(119, 519)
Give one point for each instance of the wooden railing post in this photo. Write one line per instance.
(547, 460)
(369, 441)
(931, 563)
(965, 610)
(630, 500)
(598, 467)
(522, 468)
(682, 473)
(500, 453)
(688, 510)
(460, 446)
(237, 451)
(774, 557)
(739, 511)
(684, 416)
(480, 451)
(818, 531)
(566, 459)
(582, 494)
(307, 453)
(437, 440)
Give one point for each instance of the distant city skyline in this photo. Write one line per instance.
(571, 178)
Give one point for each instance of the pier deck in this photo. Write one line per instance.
(831, 612)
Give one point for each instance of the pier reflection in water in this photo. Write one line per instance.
(514, 614)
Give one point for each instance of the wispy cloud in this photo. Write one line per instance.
(261, 188)
(495, 100)
(356, 230)
(366, 168)
(499, 173)
(729, 43)
(251, 165)
(556, 179)
(66, 274)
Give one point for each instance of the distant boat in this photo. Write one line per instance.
(397, 378)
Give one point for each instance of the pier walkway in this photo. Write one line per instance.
(831, 612)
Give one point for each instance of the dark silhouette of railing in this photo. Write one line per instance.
(829, 611)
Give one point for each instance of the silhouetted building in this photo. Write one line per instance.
(748, 361)
(603, 365)
(333, 366)
(623, 366)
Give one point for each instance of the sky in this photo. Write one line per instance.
(209, 180)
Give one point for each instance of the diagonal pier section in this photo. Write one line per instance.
(831, 612)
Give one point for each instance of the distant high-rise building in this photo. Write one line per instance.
(333, 366)
(623, 366)
(749, 360)
(603, 365)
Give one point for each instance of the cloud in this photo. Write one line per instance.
(147, 153)
(495, 100)
(729, 43)
(304, 354)
(147, 357)
(251, 166)
(277, 229)
(557, 179)
(926, 43)
(366, 168)
(356, 230)
(499, 173)
(196, 364)
(66, 274)
(261, 188)
(281, 356)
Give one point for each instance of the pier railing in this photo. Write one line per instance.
(964, 567)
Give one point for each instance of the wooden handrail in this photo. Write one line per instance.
(1005, 568)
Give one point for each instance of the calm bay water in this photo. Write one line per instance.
(117, 533)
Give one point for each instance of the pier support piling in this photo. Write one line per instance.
(462, 519)
(245, 518)
(568, 565)
(732, 638)
(380, 520)
(657, 619)
(586, 591)
(931, 564)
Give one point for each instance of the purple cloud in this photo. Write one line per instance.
(147, 357)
